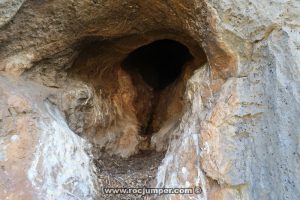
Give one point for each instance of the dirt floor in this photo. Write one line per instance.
(137, 171)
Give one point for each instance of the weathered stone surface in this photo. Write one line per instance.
(41, 158)
(236, 130)
(8, 9)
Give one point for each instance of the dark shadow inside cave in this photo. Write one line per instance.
(159, 63)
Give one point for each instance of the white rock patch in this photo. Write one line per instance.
(61, 167)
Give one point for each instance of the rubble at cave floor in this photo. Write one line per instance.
(137, 171)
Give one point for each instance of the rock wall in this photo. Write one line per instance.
(261, 134)
(238, 136)
(41, 158)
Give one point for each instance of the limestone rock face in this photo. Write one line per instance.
(41, 158)
(229, 123)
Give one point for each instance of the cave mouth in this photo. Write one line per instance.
(141, 92)
(157, 72)
(159, 63)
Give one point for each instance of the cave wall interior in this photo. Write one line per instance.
(65, 89)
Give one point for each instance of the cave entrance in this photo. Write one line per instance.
(135, 104)
(156, 69)
(159, 63)
(158, 72)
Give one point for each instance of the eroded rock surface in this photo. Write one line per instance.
(229, 123)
